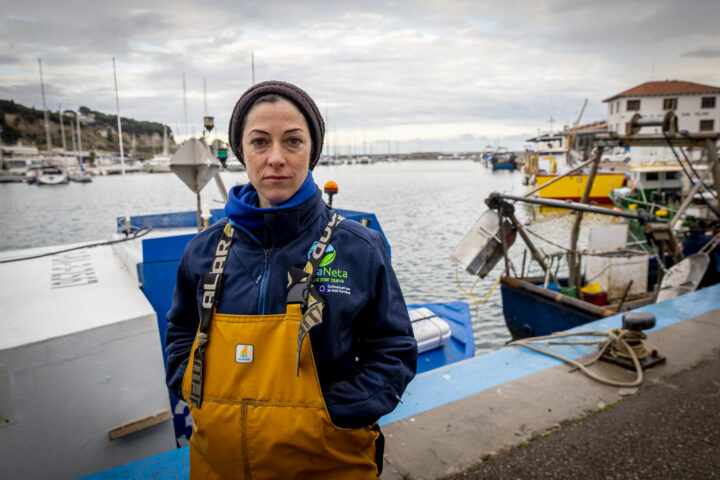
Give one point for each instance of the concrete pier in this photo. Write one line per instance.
(538, 396)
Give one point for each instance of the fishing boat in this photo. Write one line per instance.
(82, 343)
(572, 187)
(501, 160)
(617, 276)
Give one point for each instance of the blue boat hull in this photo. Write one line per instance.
(528, 315)
(503, 166)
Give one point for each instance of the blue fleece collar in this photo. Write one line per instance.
(243, 211)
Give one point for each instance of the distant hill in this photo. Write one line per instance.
(98, 131)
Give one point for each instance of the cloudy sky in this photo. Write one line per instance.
(424, 75)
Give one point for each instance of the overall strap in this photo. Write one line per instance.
(301, 288)
(212, 289)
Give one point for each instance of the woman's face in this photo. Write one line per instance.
(276, 149)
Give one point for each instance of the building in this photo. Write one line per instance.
(695, 105)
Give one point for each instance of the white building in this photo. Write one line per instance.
(696, 107)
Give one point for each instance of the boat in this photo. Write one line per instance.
(50, 175)
(160, 163)
(232, 164)
(571, 187)
(501, 159)
(99, 355)
(679, 255)
(157, 164)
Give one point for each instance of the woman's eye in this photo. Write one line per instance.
(295, 141)
(258, 142)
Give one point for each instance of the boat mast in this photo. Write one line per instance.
(122, 152)
(79, 150)
(185, 107)
(117, 106)
(45, 111)
(62, 128)
(252, 62)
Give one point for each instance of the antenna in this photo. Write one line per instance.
(45, 112)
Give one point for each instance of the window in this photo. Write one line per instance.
(670, 104)
(707, 125)
(611, 109)
(652, 176)
(707, 102)
(633, 105)
(672, 175)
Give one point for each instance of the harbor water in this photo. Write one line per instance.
(424, 207)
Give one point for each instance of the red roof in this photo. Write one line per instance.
(665, 88)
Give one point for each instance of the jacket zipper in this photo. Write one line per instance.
(263, 283)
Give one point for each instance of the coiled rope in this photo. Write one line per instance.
(616, 343)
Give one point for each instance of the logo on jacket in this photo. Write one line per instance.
(329, 254)
(244, 353)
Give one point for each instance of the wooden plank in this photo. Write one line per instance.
(138, 425)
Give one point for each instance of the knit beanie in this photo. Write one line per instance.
(295, 95)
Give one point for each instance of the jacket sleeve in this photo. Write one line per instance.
(385, 348)
(182, 326)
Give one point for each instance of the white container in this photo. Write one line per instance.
(429, 330)
(80, 356)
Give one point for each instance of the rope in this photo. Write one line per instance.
(140, 232)
(616, 340)
(470, 294)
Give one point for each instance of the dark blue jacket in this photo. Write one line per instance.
(364, 350)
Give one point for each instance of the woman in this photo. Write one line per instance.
(288, 334)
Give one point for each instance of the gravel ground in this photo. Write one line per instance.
(666, 431)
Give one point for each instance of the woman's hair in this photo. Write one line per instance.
(271, 92)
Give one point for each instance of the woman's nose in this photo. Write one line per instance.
(276, 157)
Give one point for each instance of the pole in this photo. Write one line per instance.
(573, 260)
(713, 163)
(533, 251)
(62, 128)
(48, 140)
(205, 94)
(688, 199)
(252, 62)
(77, 117)
(120, 134)
(72, 136)
(185, 106)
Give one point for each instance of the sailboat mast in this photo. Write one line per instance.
(62, 127)
(117, 105)
(45, 111)
(252, 62)
(185, 106)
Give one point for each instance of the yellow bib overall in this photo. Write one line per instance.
(259, 419)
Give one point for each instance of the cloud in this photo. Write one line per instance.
(703, 53)
(440, 69)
